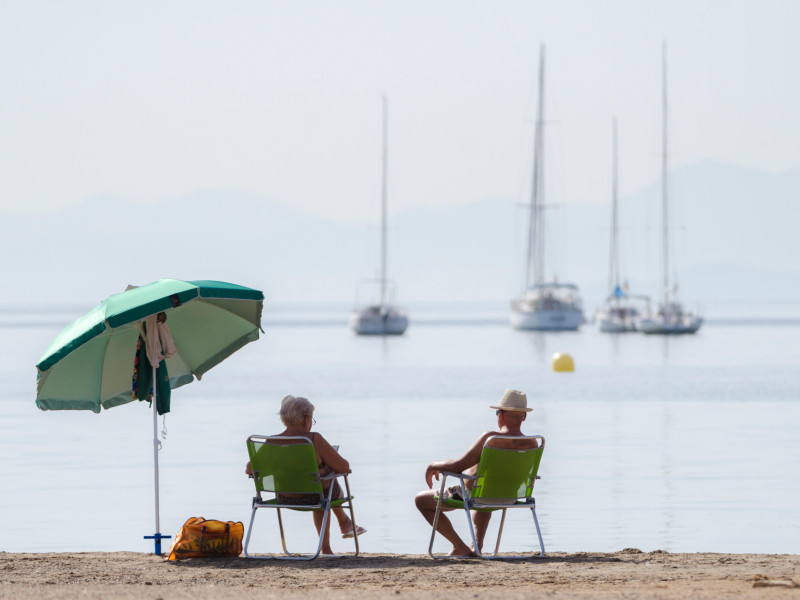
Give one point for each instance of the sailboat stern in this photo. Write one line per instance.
(548, 307)
(379, 320)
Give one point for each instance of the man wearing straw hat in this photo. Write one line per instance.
(511, 412)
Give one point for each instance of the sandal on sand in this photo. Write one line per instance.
(349, 534)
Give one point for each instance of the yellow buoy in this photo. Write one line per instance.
(563, 363)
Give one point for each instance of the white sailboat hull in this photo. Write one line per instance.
(611, 325)
(379, 320)
(546, 320)
(619, 317)
(671, 319)
(659, 325)
(547, 307)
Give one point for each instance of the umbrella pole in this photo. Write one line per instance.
(156, 537)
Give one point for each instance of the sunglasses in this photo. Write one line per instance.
(498, 411)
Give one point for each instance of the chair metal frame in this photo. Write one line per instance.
(326, 503)
(471, 503)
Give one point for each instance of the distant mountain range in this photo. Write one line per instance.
(733, 238)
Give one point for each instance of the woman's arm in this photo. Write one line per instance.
(330, 457)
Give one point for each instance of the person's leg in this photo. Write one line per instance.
(426, 504)
(480, 521)
(345, 524)
(326, 539)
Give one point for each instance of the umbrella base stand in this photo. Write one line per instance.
(157, 537)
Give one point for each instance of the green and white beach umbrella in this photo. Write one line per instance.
(90, 364)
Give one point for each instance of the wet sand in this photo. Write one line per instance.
(628, 573)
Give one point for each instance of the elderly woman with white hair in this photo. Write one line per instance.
(297, 414)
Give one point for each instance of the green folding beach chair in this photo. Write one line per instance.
(504, 480)
(288, 465)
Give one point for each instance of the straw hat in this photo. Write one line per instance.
(513, 400)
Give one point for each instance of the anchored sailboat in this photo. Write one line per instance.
(671, 317)
(620, 313)
(382, 318)
(542, 306)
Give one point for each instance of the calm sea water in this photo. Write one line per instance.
(682, 444)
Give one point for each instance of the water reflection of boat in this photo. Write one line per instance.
(382, 318)
(671, 317)
(542, 305)
(621, 311)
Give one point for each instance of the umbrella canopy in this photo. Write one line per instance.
(89, 365)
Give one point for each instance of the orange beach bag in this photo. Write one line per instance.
(206, 538)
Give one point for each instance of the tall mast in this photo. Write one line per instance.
(613, 263)
(384, 199)
(535, 260)
(540, 191)
(665, 214)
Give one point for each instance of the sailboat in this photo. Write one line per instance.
(620, 313)
(671, 317)
(382, 318)
(542, 306)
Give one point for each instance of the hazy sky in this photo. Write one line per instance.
(149, 100)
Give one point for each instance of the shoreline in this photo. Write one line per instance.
(626, 573)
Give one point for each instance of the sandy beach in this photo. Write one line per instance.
(628, 573)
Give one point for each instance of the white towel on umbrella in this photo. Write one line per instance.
(160, 345)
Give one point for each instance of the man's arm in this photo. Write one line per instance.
(459, 465)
